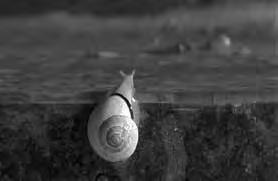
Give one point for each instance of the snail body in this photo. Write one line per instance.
(112, 126)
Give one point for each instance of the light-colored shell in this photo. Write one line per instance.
(117, 138)
(112, 133)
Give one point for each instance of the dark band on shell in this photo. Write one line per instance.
(112, 126)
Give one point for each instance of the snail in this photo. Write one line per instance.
(113, 125)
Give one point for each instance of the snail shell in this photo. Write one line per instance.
(112, 131)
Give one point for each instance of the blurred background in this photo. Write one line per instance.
(107, 7)
(57, 50)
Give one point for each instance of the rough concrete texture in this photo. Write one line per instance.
(177, 142)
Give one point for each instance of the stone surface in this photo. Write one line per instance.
(177, 142)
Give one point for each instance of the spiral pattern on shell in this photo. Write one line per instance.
(117, 137)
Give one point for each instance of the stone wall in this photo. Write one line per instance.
(176, 142)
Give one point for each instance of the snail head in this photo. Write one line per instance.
(126, 88)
